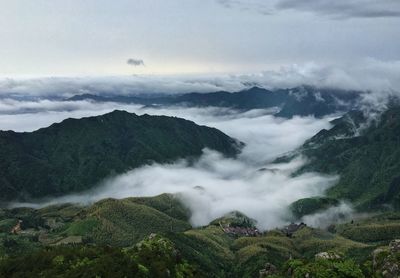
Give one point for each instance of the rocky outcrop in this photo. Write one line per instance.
(327, 256)
(394, 246)
(241, 231)
(385, 261)
(17, 228)
(289, 230)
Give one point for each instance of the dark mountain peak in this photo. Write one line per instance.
(86, 97)
(257, 89)
(118, 113)
(108, 119)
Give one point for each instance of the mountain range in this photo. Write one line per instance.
(300, 101)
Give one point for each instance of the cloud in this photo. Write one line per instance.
(135, 62)
(344, 8)
(339, 9)
(365, 75)
(342, 213)
(62, 87)
(250, 5)
(380, 79)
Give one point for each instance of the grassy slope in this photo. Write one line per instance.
(124, 222)
(115, 222)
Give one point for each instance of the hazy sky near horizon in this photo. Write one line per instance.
(98, 37)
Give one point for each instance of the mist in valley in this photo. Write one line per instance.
(213, 185)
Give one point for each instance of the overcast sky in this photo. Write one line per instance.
(98, 37)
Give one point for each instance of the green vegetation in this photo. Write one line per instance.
(372, 232)
(235, 218)
(276, 248)
(153, 257)
(322, 268)
(311, 205)
(108, 222)
(379, 229)
(124, 222)
(208, 248)
(166, 203)
(76, 154)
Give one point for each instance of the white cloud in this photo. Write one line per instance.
(368, 75)
(337, 214)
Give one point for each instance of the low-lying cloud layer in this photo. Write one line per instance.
(367, 75)
(215, 186)
(337, 214)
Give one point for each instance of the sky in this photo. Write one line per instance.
(159, 37)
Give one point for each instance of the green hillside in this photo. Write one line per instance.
(108, 222)
(366, 155)
(76, 154)
(155, 256)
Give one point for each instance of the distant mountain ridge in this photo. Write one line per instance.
(76, 154)
(300, 101)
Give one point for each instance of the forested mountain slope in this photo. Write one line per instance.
(76, 154)
(366, 154)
